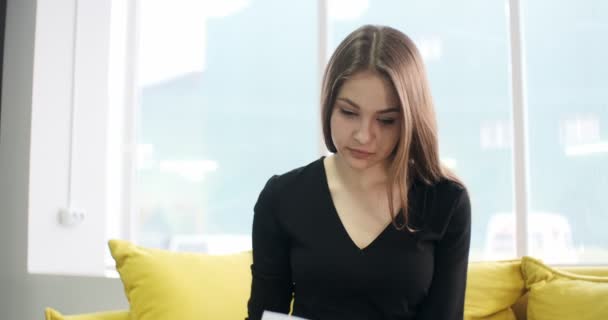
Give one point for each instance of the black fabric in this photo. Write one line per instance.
(301, 250)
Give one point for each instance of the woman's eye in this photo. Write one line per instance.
(347, 113)
(387, 121)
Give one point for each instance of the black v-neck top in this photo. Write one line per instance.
(302, 250)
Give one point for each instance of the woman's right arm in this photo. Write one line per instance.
(271, 286)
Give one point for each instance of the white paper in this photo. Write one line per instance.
(269, 315)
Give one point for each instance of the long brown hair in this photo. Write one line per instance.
(394, 55)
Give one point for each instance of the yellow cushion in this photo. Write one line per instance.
(600, 271)
(52, 314)
(504, 314)
(492, 287)
(558, 294)
(160, 284)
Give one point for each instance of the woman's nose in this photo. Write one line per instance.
(363, 133)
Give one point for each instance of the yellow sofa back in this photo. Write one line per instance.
(160, 284)
(520, 307)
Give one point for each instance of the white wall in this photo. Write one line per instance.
(24, 296)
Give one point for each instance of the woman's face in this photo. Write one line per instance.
(365, 120)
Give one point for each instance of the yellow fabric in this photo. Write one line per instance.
(504, 314)
(587, 271)
(558, 294)
(160, 284)
(52, 314)
(492, 287)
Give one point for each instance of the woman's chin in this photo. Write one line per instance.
(360, 164)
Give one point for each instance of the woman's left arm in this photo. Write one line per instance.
(445, 299)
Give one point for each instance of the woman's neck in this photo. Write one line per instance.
(362, 180)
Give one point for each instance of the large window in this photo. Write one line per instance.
(226, 94)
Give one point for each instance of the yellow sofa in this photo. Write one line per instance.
(167, 285)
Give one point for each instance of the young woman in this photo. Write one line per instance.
(379, 229)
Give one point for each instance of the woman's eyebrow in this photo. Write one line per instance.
(353, 104)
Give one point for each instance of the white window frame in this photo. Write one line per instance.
(520, 134)
(69, 138)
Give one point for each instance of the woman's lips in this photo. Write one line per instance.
(359, 154)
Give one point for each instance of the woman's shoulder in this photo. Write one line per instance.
(444, 201)
(445, 188)
(297, 178)
(450, 188)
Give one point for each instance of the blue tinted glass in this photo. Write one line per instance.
(212, 136)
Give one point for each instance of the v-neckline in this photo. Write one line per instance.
(335, 213)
